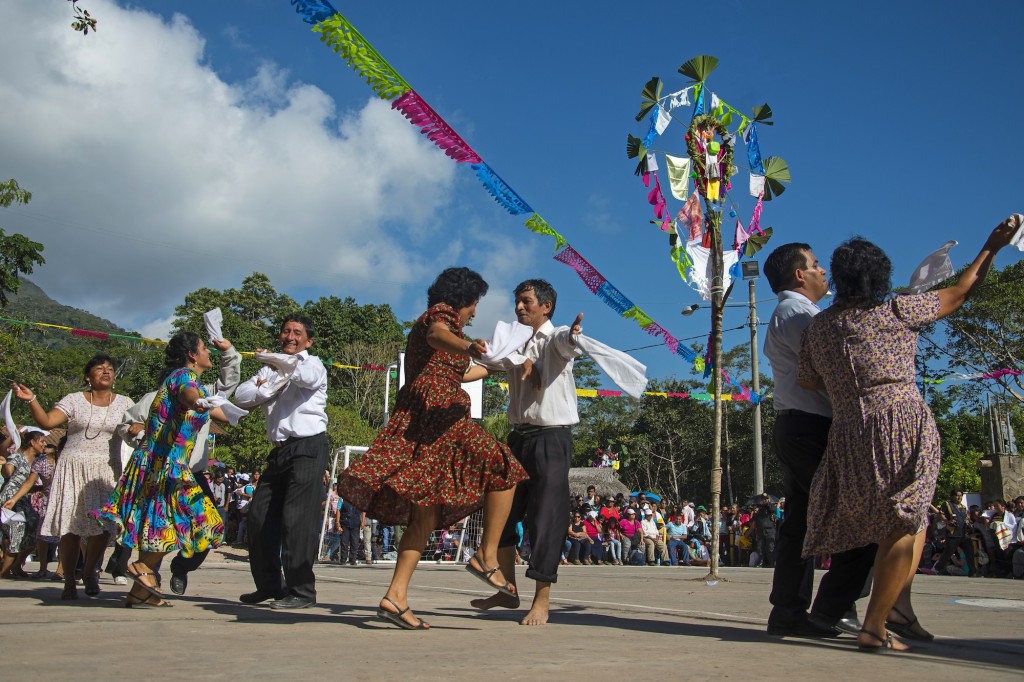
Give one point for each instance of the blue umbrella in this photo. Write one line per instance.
(650, 496)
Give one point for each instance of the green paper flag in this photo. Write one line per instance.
(343, 38)
(540, 226)
(642, 318)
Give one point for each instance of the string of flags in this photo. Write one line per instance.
(345, 39)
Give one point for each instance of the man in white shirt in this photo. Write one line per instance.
(284, 513)
(542, 410)
(132, 429)
(803, 420)
(653, 542)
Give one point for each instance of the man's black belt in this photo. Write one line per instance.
(801, 413)
(292, 439)
(530, 428)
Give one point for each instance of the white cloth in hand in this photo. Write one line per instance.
(284, 366)
(1018, 239)
(628, 373)
(508, 338)
(932, 270)
(231, 411)
(213, 319)
(12, 429)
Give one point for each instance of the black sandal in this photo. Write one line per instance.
(485, 574)
(69, 594)
(137, 575)
(886, 647)
(395, 617)
(131, 600)
(910, 630)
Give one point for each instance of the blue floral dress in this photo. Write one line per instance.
(157, 505)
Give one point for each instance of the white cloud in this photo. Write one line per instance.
(153, 177)
(157, 329)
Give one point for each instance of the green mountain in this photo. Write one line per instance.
(33, 305)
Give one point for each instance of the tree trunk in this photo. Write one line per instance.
(717, 302)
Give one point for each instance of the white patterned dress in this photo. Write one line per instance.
(88, 467)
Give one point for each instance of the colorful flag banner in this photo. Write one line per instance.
(540, 226)
(430, 123)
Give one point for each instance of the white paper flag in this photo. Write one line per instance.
(679, 99)
(652, 163)
(12, 429)
(213, 320)
(932, 270)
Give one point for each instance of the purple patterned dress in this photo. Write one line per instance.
(879, 470)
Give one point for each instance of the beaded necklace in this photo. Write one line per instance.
(105, 415)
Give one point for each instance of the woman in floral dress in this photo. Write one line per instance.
(433, 465)
(19, 536)
(157, 506)
(877, 478)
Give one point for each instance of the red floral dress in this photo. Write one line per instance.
(431, 452)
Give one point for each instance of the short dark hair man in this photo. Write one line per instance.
(802, 423)
(542, 414)
(285, 509)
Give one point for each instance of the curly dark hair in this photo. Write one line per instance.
(177, 351)
(542, 291)
(782, 264)
(29, 436)
(458, 287)
(96, 361)
(861, 274)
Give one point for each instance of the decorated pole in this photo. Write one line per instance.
(701, 258)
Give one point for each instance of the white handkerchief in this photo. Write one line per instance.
(508, 337)
(231, 411)
(283, 364)
(213, 320)
(11, 516)
(627, 373)
(652, 163)
(664, 118)
(756, 185)
(679, 99)
(12, 429)
(1018, 239)
(932, 270)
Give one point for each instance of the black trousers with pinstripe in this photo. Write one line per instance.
(541, 503)
(284, 518)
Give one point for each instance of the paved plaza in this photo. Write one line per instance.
(609, 623)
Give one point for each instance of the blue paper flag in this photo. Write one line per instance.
(613, 298)
(499, 189)
(314, 11)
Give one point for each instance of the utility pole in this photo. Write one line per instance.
(751, 273)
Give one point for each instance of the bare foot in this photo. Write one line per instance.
(536, 616)
(498, 600)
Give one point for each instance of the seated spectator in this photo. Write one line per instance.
(698, 553)
(594, 551)
(591, 497)
(630, 535)
(609, 510)
(614, 541)
(654, 546)
(676, 532)
(578, 537)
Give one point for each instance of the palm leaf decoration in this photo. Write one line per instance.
(763, 115)
(699, 68)
(756, 242)
(635, 148)
(649, 97)
(776, 172)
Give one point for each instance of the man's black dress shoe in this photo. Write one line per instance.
(291, 602)
(804, 628)
(258, 596)
(179, 583)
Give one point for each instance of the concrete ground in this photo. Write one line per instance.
(608, 623)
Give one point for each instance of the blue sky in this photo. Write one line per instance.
(187, 144)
